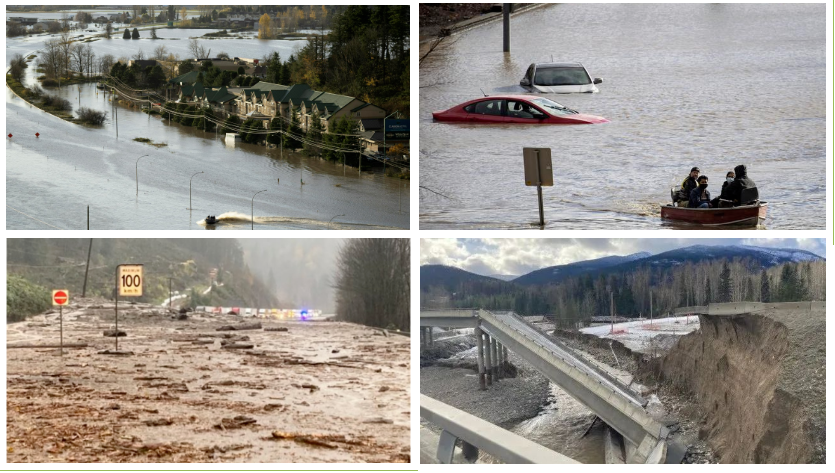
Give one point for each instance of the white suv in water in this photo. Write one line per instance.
(559, 78)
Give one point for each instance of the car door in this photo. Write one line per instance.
(486, 111)
(519, 111)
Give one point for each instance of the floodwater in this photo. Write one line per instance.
(708, 85)
(51, 180)
(562, 425)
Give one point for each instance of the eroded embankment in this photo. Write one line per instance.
(760, 380)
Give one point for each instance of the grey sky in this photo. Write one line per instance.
(521, 255)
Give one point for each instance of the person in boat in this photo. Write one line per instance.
(700, 196)
(741, 182)
(729, 178)
(687, 185)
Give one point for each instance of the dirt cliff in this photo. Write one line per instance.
(760, 380)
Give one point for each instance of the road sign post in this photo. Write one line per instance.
(538, 172)
(129, 282)
(61, 297)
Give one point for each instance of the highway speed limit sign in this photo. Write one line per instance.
(130, 280)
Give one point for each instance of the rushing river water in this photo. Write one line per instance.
(53, 178)
(708, 85)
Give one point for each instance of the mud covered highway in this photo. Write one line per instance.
(317, 392)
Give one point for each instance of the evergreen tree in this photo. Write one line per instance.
(275, 124)
(127, 34)
(314, 136)
(725, 284)
(294, 130)
(708, 293)
(231, 121)
(135, 34)
(765, 287)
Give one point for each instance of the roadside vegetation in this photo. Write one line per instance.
(24, 299)
(149, 141)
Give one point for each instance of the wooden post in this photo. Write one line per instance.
(488, 359)
(479, 341)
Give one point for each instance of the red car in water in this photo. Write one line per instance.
(515, 109)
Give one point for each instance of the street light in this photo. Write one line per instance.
(137, 174)
(331, 220)
(252, 220)
(189, 189)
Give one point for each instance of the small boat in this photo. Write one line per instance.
(100, 86)
(749, 215)
(211, 220)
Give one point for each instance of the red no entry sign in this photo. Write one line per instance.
(60, 297)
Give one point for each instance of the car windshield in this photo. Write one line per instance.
(553, 107)
(555, 76)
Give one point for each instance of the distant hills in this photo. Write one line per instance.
(450, 278)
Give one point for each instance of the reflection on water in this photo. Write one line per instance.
(683, 85)
(55, 177)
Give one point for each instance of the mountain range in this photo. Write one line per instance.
(450, 278)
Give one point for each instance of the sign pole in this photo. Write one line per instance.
(116, 306)
(61, 316)
(539, 191)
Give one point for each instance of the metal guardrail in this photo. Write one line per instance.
(498, 442)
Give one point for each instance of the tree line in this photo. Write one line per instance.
(689, 284)
(372, 282)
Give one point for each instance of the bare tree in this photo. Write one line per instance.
(373, 282)
(138, 55)
(106, 63)
(77, 57)
(108, 30)
(198, 50)
(89, 58)
(160, 53)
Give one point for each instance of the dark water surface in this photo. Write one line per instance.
(683, 85)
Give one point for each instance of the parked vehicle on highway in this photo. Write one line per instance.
(515, 109)
(559, 78)
(248, 312)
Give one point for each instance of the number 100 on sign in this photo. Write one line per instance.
(130, 280)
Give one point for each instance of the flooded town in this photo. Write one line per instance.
(220, 358)
(158, 119)
(615, 351)
(658, 89)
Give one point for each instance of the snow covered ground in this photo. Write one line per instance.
(640, 335)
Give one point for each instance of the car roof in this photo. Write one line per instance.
(557, 64)
(506, 97)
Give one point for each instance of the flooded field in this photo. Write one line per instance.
(52, 179)
(317, 392)
(708, 85)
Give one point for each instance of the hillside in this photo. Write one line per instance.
(448, 277)
(554, 274)
(60, 263)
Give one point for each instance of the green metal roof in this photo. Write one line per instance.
(188, 78)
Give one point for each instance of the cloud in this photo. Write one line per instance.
(517, 256)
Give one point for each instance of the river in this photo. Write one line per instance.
(708, 85)
(52, 179)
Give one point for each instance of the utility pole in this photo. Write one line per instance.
(169, 293)
(506, 7)
(89, 249)
(612, 309)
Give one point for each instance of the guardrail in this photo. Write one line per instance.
(498, 442)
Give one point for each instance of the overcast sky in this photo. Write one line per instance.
(519, 256)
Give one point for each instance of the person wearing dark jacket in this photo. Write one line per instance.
(740, 183)
(700, 196)
(688, 184)
(729, 178)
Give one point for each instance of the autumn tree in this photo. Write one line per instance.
(265, 27)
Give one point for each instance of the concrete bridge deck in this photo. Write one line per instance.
(611, 400)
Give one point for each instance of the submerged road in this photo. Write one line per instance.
(708, 85)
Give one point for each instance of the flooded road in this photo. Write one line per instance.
(342, 385)
(683, 85)
(50, 180)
